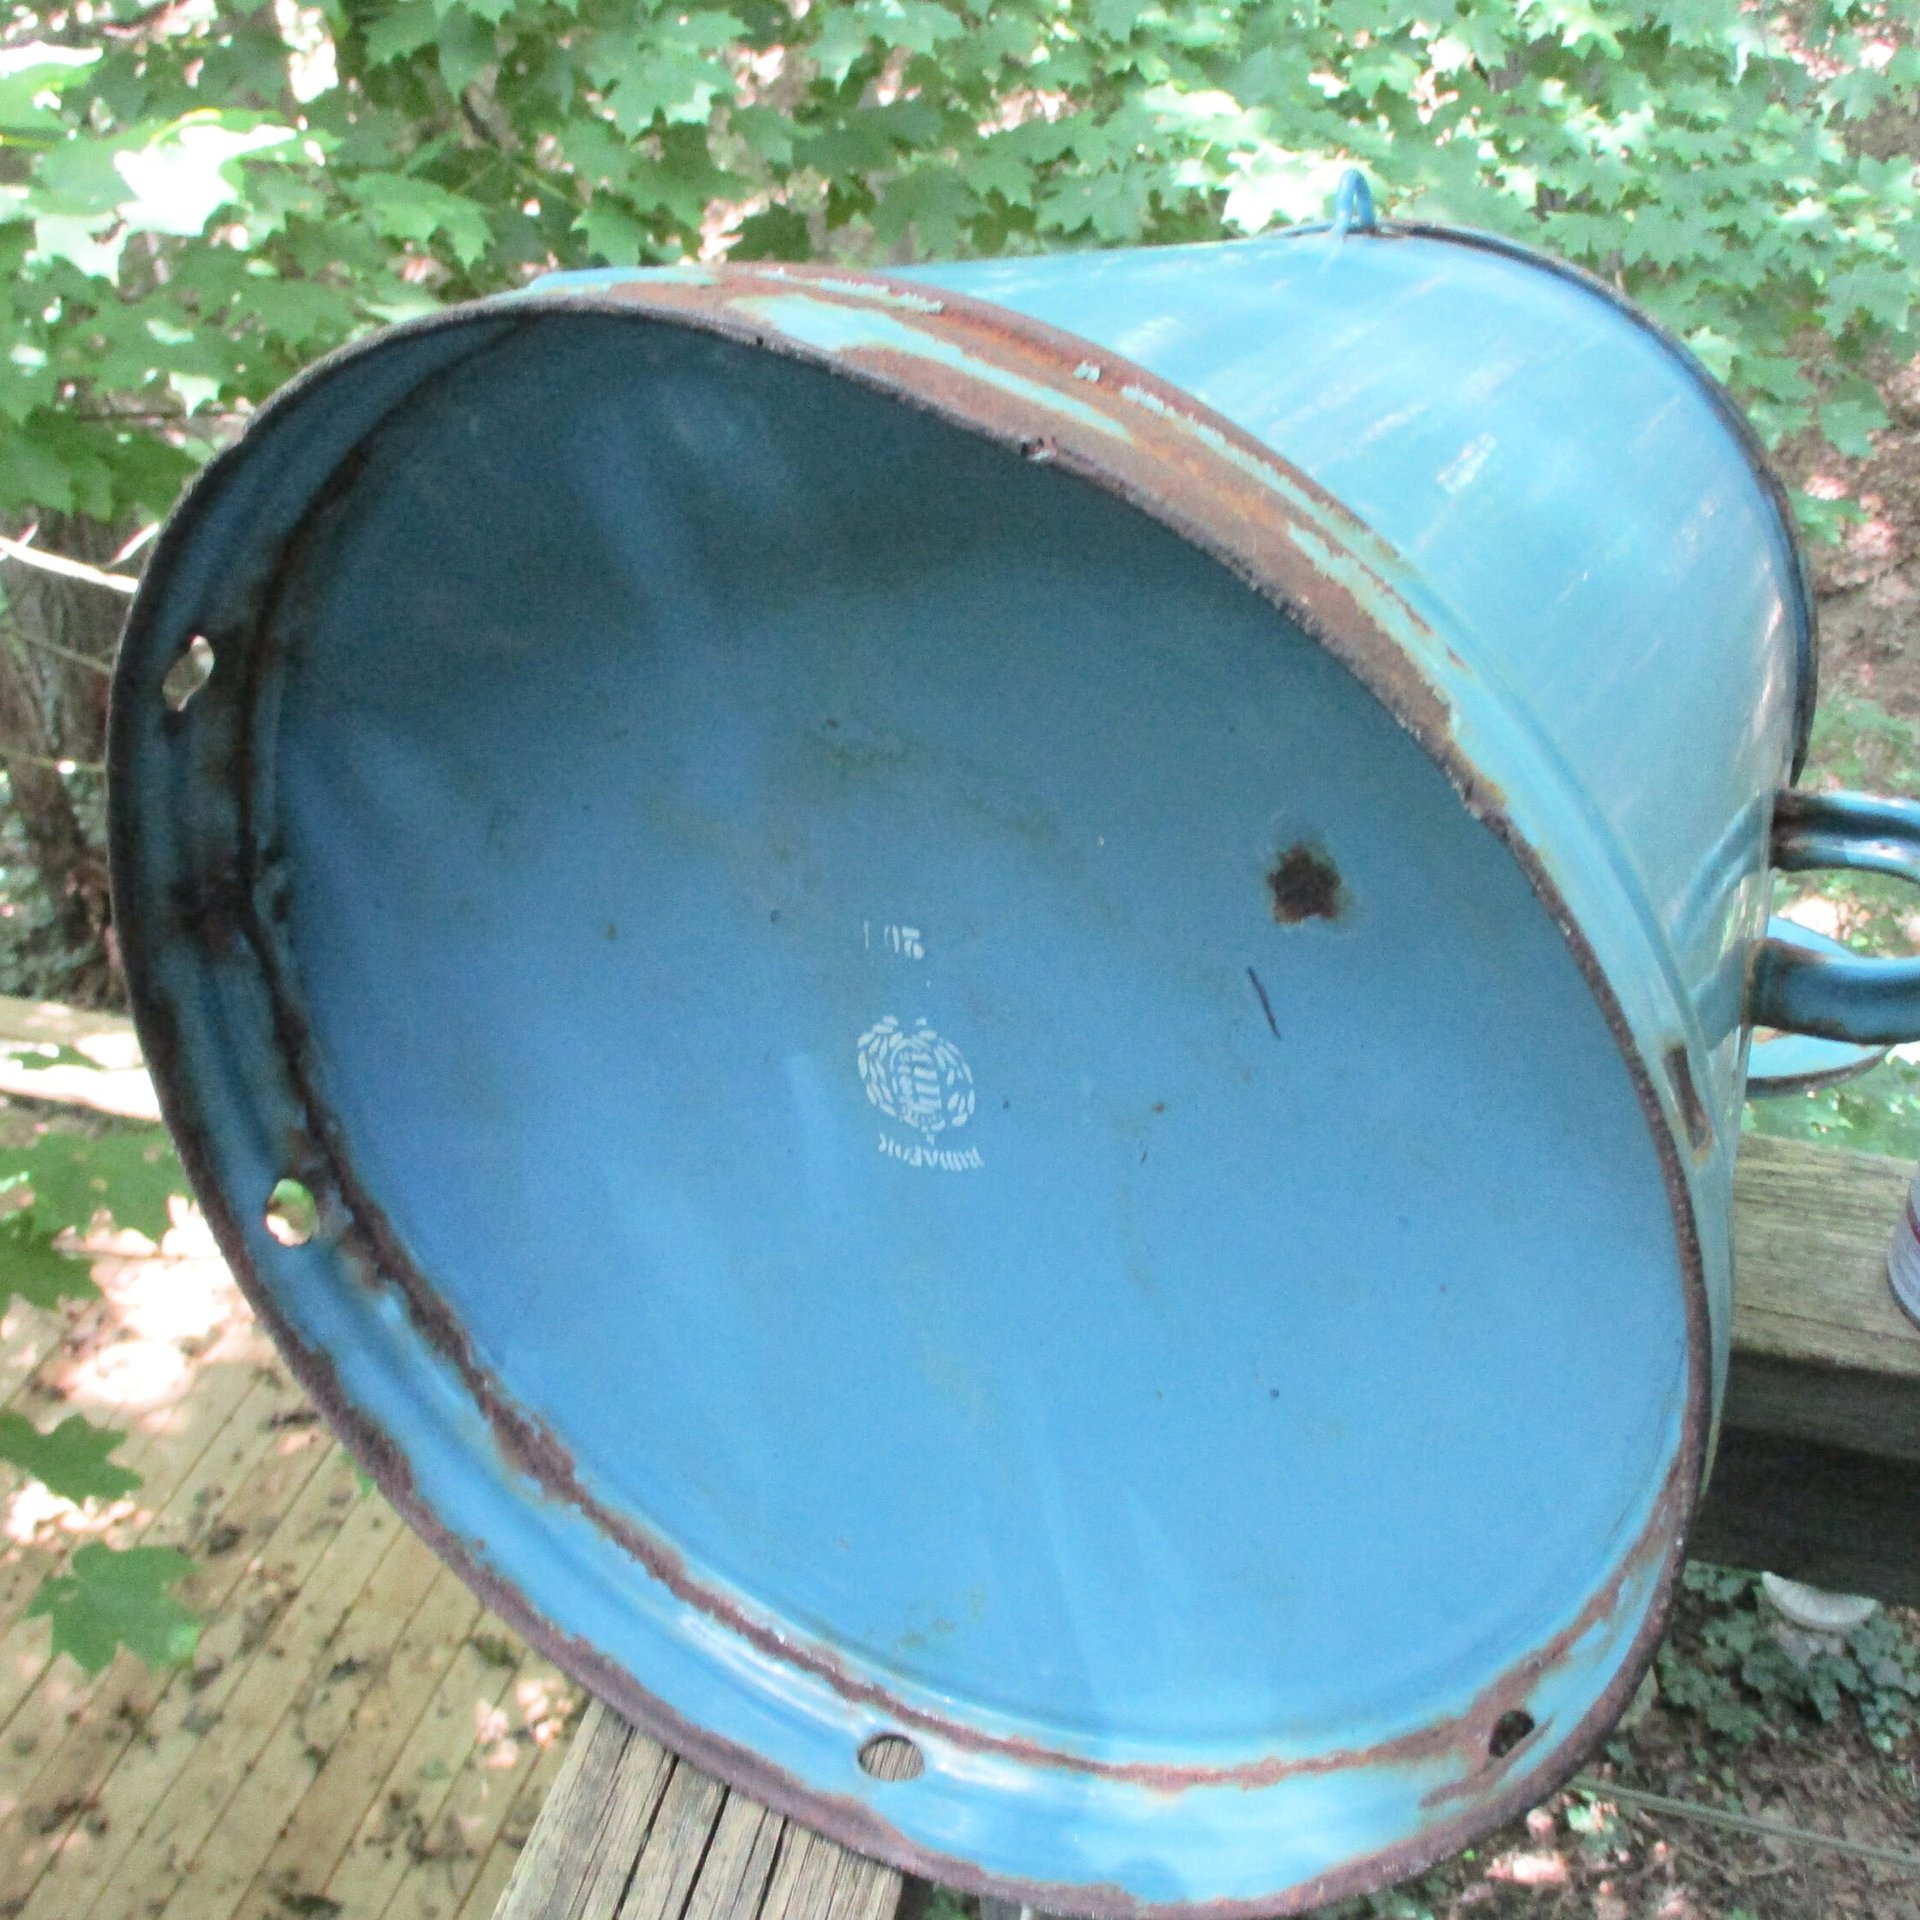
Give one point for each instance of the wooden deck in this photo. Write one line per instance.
(356, 1737)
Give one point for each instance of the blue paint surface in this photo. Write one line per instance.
(1250, 1336)
(779, 894)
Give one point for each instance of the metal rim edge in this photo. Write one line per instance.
(1216, 466)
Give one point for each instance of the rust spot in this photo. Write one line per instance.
(212, 909)
(1686, 1095)
(1305, 885)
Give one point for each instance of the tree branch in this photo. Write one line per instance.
(67, 569)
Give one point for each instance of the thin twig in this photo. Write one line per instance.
(102, 667)
(67, 569)
(1744, 1822)
(59, 766)
(134, 545)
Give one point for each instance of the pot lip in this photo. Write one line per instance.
(1058, 399)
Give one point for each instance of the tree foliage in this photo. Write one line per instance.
(198, 197)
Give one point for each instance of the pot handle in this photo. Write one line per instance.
(1840, 997)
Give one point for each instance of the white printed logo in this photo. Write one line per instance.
(922, 1080)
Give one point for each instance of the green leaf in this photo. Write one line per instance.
(934, 203)
(405, 30)
(118, 1598)
(670, 74)
(71, 1460)
(1881, 292)
(1823, 522)
(29, 73)
(405, 208)
(843, 38)
(301, 312)
(770, 134)
(46, 1054)
(131, 1175)
(26, 383)
(33, 1269)
(775, 233)
(80, 178)
(917, 26)
(466, 47)
(1849, 421)
(596, 153)
(613, 235)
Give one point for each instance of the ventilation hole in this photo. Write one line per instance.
(1693, 1112)
(892, 1756)
(1509, 1730)
(188, 674)
(292, 1214)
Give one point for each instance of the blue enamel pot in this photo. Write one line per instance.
(987, 1025)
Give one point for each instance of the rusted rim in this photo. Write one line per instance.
(1053, 398)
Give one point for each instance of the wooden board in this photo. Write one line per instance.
(353, 1737)
(116, 1082)
(631, 1833)
(1822, 1350)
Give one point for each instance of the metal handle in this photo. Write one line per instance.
(1352, 205)
(1874, 1002)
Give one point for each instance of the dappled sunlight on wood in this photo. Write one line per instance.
(354, 1734)
(168, 1313)
(34, 1512)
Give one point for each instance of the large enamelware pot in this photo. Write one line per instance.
(1015, 1001)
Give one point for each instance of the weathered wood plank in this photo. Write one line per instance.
(167, 1789)
(282, 1833)
(494, 1792)
(75, 1728)
(1822, 1350)
(631, 1805)
(732, 1880)
(116, 1083)
(345, 1617)
(560, 1851)
(385, 1779)
(663, 1880)
(502, 1829)
(1840, 1520)
(814, 1878)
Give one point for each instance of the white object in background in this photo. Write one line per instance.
(1811, 1620)
(1816, 1610)
(1903, 1254)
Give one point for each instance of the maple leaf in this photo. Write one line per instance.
(117, 1597)
(129, 1175)
(33, 1269)
(71, 1460)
